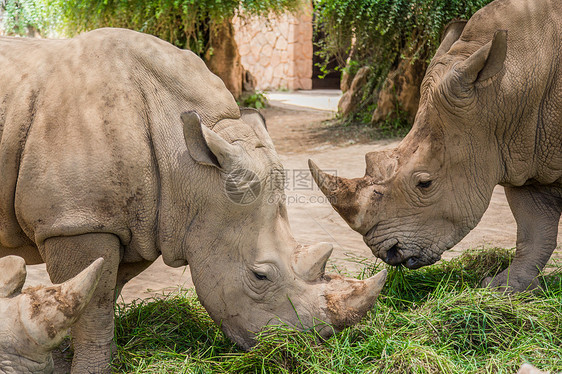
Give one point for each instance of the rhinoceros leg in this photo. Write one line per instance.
(537, 212)
(92, 334)
(127, 272)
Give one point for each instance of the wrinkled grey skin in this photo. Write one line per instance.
(35, 321)
(97, 160)
(490, 113)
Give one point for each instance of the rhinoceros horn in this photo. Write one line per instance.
(351, 198)
(348, 301)
(12, 276)
(341, 193)
(47, 312)
(310, 262)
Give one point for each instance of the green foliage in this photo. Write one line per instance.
(385, 32)
(255, 99)
(24, 17)
(431, 320)
(185, 23)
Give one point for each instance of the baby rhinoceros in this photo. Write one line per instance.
(34, 321)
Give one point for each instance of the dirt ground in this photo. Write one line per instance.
(300, 134)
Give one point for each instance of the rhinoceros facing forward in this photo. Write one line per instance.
(97, 160)
(490, 113)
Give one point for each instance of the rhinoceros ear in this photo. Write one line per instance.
(485, 62)
(195, 141)
(254, 117)
(256, 121)
(451, 34)
(205, 146)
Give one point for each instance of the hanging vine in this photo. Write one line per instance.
(381, 33)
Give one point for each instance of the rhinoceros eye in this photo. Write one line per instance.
(424, 184)
(260, 276)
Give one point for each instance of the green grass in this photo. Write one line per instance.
(432, 320)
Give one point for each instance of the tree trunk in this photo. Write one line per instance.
(400, 94)
(223, 58)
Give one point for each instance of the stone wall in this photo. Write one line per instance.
(277, 50)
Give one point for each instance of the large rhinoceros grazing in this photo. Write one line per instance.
(34, 321)
(116, 144)
(490, 113)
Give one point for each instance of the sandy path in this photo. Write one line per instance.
(300, 134)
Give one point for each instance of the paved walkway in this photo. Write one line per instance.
(311, 99)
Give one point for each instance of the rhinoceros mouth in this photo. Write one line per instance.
(396, 256)
(413, 263)
(388, 250)
(393, 253)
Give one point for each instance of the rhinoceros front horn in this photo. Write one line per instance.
(329, 184)
(340, 193)
(349, 300)
(47, 312)
(12, 276)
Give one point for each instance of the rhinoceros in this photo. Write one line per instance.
(35, 321)
(490, 113)
(116, 144)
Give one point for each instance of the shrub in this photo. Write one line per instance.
(184, 23)
(385, 32)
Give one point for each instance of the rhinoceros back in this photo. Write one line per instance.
(90, 131)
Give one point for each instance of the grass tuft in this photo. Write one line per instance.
(432, 320)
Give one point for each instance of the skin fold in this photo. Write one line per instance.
(490, 113)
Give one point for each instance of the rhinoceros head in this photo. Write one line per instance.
(249, 272)
(34, 321)
(420, 199)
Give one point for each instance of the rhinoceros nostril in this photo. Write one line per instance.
(393, 255)
(412, 263)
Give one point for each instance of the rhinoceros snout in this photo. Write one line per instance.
(390, 252)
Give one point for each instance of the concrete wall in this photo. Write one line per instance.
(277, 50)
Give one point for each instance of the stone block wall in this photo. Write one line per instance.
(277, 50)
